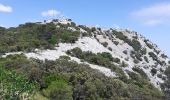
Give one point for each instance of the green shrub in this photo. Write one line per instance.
(110, 48)
(143, 51)
(132, 54)
(93, 29)
(57, 88)
(77, 52)
(116, 60)
(136, 45)
(53, 40)
(73, 24)
(106, 55)
(146, 59)
(105, 44)
(161, 70)
(14, 85)
(119, 35)
(157, 51)
(116, 42)
(125, 52)
(133, 75)
(140, 71)
(159, 75)
(164, 56)
(136, 61)
(138, 56)
(124, 64)
(153, 71)
(148, 44)
(154, 57)
(65, 57)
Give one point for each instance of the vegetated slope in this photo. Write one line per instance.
(92, 63)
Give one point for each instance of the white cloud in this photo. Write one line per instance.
(5, 9)
(50, 13)
(153, 15)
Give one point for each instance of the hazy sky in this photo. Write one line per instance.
(151, 18)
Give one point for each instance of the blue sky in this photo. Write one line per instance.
(151, 18)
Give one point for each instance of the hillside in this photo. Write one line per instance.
(61, 60)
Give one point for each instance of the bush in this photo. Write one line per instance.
(127, 58)
(53, 40)
(116, 42)
(146, 59)
(153, 71)
(136, 45)
(125, 52)
(136, 61)
(164, 56)
(154, 57)
(93, 29)
(141, 72)
(99, 58)
(159, 75)
(14, 85)
(148, 44)
(168, 62)
(106, 55)
(133, 75)
(161, 70)
(138, 56)
(104, 36)
(157, 51)
(57, 88)
(105, 44)
(132, 54)
(65, 58)
(110, 48)
(119, 35)
(143, 51)
(124, 64)
(73, 24)
(116, 60)
(77, 52)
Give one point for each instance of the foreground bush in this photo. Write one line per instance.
(15, 86)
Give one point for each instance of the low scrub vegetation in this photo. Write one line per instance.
(134, 42)
(140, 71)
(166, 84)
(29, 36)
(148, 44)
(103, 59)
(67, 80)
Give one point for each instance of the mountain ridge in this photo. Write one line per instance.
(128, 51)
